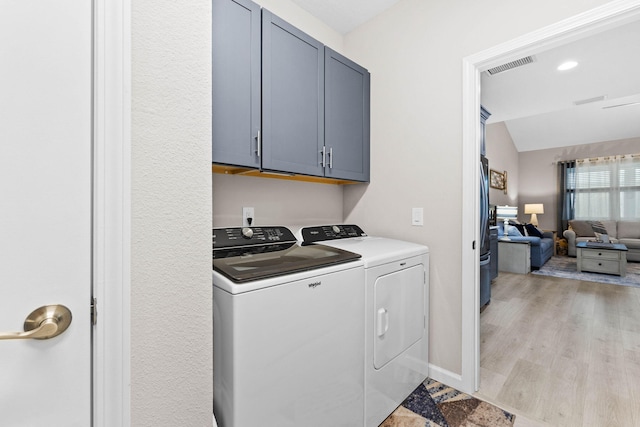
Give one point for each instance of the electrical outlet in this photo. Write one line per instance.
(417, 216)
(248, 217)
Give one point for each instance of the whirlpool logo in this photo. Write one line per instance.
(314, 285)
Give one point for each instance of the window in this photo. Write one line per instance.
(607, 188)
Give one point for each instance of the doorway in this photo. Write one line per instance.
(605, 17)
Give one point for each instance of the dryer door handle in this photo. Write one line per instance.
(383, 321)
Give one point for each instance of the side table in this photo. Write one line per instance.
(514, 256)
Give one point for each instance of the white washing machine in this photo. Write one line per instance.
(396, 313)
(288, 331)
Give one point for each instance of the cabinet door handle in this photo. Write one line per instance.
(331, 158)
(259, 144)
(323, 154)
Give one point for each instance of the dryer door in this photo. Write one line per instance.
(399, 313)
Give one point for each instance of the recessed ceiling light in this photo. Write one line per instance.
(567, 65)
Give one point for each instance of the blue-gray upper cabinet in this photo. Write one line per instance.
(292, 98)
(347, 106)
(236, 82)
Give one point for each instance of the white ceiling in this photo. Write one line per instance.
(345, 15)
(536, 101)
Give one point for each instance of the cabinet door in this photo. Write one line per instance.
(347, 88)
(292, 98)
(236, 82)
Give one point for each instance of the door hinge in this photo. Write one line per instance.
(94, 311)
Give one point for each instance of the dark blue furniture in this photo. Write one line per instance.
(541, 247)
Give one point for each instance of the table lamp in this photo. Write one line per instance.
(534, 209)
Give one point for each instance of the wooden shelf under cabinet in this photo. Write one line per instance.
(236, 170)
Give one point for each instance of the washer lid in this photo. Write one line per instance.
(252, 258)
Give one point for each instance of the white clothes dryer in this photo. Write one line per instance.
(396, 313)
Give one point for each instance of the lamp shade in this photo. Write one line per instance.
(534, 208)
(506, 212)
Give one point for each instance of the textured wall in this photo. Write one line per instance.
(171, 330)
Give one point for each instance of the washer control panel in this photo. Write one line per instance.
(249, 236)
(330, 232)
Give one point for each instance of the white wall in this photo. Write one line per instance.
(275, 201)
(539, 173)
(503, 157)
(171, 309)
(414, 52)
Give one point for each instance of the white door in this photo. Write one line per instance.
(45, 208)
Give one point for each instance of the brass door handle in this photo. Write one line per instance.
(43, 323)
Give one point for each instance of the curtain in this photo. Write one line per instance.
(608, 188)
(566, 193)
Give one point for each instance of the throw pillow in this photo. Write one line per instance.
(513, 231)
(600, 232)
(581, 228)
(532, 230)
(598, 227)
(519, 226)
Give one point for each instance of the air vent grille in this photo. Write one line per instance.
(510, 65)
(590, 100)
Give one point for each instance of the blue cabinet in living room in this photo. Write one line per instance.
(493, 243)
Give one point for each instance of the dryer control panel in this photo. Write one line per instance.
(330, 232)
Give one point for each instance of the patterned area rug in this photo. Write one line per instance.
(435, 404)
(565, 266)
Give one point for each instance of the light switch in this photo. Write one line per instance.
(417, 216)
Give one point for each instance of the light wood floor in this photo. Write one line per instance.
(561, 352)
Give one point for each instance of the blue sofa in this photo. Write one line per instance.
(541, 247)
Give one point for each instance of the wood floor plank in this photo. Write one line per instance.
(563, 398)
(562, 352)
(524, 386)
(632, 369)
(575, 338)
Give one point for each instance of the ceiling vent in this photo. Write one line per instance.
(590, 100)
(510, 65)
